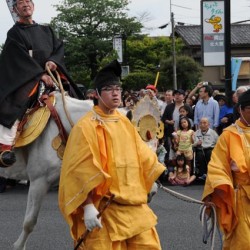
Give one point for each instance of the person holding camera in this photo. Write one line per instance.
(193, 92)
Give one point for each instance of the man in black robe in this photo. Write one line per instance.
(28, 48)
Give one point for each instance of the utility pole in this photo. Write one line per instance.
(173, 49)
(228, 73)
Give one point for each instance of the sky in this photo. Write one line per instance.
(158, 13)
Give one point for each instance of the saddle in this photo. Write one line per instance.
(33, 124)
(35, 121)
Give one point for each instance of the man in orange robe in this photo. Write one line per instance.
(105, 156)
(228, 179)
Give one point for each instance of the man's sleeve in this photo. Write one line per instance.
(216, 115)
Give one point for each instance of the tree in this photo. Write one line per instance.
(188, 71)
(138, 80)
(88, 28)
(144, 55)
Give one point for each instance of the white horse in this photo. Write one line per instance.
(38, 162)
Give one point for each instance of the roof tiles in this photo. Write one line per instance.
(191, 34)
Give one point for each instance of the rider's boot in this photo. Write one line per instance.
(7, 156)
(7, 138)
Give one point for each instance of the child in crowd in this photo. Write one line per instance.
(181, 174)
(185, 111)
(185, 139)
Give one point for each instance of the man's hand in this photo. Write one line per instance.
(199, 143)
(90, 217)
(170, 122)
(51, 65)
(224, 120)
(47, 80)
(153, 191)
(199, 85)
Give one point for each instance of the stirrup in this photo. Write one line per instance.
(7, 158)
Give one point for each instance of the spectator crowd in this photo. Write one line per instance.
(193, 121)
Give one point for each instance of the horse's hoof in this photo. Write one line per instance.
(7, 158)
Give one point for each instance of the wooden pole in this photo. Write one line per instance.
(156, 79)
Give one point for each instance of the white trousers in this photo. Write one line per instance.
(7, 136)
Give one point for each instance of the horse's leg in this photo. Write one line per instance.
(37, 191)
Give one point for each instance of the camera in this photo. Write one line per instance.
(205, 83)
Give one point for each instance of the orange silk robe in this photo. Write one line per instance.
(228, 185)
(105, 153)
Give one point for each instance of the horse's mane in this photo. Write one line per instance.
(73, 101)
(73, 108)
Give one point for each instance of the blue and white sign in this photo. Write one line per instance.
(213, 33)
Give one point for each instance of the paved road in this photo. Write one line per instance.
(179, 227)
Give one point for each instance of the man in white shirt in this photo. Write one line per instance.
(205, 139)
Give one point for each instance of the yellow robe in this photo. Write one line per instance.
(228, 185)
(105, 153)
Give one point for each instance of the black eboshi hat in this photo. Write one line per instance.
(109, 75)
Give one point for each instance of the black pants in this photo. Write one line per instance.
(3, 183)
(202, 159)
(6, 182)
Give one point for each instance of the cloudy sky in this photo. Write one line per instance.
(187, 11)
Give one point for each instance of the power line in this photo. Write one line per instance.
(181, 6)
(243, 21)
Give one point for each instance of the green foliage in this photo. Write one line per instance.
(138, 80)
(87, 28)
(145, 53)
(188, 71)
